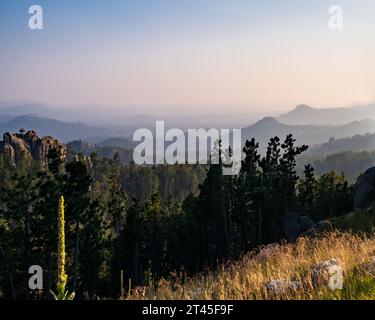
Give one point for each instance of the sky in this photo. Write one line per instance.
(185, 56)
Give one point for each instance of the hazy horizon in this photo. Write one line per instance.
(160, 110)
(179, 57)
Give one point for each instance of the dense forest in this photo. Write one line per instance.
(352, 164)
(151, 222)
(357, 143)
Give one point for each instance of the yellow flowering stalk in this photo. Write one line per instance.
(62, 278)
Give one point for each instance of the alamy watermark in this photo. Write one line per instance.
(194, 146)
(336, 280)
(336, 20)
(36, 280)
(36, 18)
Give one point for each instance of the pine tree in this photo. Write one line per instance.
(76, 191)
(307, 187)
(133, 244)
(92, 250)
(117, 207)
(246, 213)
(213, 219)
(289, 177)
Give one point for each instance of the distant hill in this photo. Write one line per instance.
(269, 127)
(123, 121)
(62, 131)
(356, 143)
(31, 109)
(304, 114)
(5, 118)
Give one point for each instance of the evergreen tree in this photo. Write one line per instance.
(76, 191)
(246, 213)
(289, 177)
(117, 207)
(213, 219)
(307, 188)
(134, 243)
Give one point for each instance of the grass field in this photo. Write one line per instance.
(247, 278)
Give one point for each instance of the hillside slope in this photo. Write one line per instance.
(269, 127)
(248, 278)
(357, 143)
(64, 131)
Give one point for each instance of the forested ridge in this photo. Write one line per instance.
(151, 221)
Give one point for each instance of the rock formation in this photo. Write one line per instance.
(294, 226)
(290, 226)
(366, 187)
(27, 147)
(329, 274)
(276, 289)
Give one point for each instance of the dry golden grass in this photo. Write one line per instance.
(247, 278)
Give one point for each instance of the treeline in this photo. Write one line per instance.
(357, 143)
(132, 218)
(141, 182)
(81, 147)
(351, 163)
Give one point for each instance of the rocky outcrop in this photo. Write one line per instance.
(366, 187)
(328, 274)
(306, 223)
(277, 289)
(318, 228)
(27, 147)
(290, 226)
(369, 266)
(293, 226)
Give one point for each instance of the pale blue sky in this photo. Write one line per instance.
(159, 55)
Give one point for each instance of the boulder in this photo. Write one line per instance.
(279, 288)
(366, 186)
(319, 227)
(290, 226)
(329, 274)
(369, 266)
(322, 226)
(306, 223)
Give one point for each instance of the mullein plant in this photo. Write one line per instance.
(62, 278)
